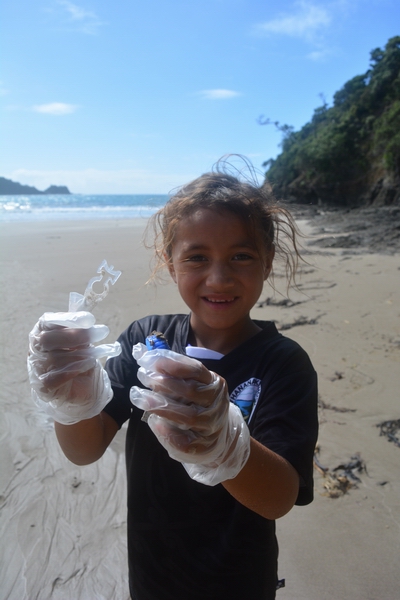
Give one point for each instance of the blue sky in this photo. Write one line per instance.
(141, 97)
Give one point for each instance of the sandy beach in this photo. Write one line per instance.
(63, 527)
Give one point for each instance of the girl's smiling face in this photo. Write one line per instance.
(220, 275)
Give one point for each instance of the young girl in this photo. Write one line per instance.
(227, 442)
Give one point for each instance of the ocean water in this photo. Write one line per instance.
(79, 207)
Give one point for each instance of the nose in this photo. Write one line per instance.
(219, 277)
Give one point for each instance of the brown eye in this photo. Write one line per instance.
(242, 256)
(196, 258)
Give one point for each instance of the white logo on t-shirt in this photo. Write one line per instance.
(246, 396)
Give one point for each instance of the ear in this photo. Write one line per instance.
(170, 266)
(269, 259)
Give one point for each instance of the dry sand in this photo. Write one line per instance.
(63, 527)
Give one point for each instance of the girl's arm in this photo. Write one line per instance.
(267, 484)
(86, 441)
(213, 430)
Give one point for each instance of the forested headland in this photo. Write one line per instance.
(349, 153)
(9, 187)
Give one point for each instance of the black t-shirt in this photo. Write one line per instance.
(191, 541)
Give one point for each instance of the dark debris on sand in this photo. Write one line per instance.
(391, 430)
(339, 480)
(362, 229)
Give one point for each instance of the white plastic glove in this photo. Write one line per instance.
(67, 379)
(191, 414)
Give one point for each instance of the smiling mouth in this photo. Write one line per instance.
(219, 300)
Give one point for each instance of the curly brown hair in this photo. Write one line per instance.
(272, 225)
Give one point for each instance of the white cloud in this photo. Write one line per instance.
(306, 22)
(3, 90)
(218, 94)
(318, 55)
(81, 19)
(55, 108)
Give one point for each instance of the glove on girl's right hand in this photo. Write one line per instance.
(67, 379)
(191, 415)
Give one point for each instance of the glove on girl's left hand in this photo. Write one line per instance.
(191, 415)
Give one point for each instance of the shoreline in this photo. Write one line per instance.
(6, 227)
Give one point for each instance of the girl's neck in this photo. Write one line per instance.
(221, 341)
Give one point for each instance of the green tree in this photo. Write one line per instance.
(344, 150)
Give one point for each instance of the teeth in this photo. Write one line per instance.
(218, 301)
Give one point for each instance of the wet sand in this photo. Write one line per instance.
(63, 527)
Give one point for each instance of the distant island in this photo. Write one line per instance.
(12, 188)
